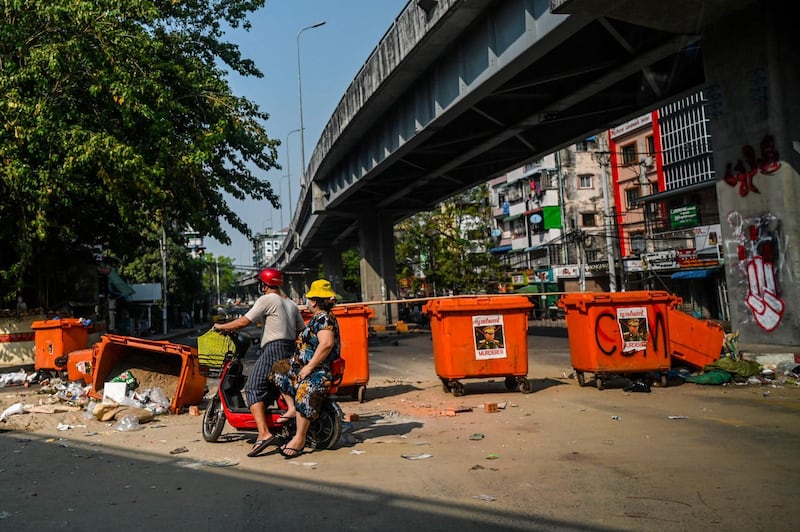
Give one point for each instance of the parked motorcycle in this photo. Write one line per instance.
(228, 404)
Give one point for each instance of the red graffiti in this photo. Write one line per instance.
(609, 342)
(743, 171)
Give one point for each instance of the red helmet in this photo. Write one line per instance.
(271, 277)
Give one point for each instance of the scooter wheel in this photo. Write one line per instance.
(326, 430)
(213, 420)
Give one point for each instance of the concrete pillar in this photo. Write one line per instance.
(378, 269)
(332, 269)
(754, 83)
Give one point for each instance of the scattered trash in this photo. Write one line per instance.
(483, 497)
(637, 387)
(225, 462)
(476, 467)
(476, 436)
(14, 378)
(16, 408)
(616, 418)
(127, 423)
(678, 417)
(492, 456)
(356, 451)
(310, 465)
(66, 426)
(420, 456)
(179, 450)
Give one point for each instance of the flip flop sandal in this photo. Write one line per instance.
(258, 447)
(284, 450)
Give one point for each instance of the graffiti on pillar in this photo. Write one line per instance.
(743, 171)
(758, 249)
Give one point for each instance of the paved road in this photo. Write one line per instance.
(565, 458)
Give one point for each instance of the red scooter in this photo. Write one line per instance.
(228, 404)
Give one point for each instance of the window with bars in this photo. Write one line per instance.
(628, 153)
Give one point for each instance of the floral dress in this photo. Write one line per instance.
(309, 392)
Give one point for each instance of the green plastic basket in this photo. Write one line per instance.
(212, 347)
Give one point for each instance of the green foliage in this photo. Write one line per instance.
(447, 248)
(117, 118)
(351, 271)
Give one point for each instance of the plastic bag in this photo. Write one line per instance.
(127, 423)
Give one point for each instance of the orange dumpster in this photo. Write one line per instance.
(618, 333)
(80, 364)
(354, 334)
(54, 339)
(694, 341)
(174, 368)
(480, 336)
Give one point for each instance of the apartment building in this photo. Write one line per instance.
(656, 227)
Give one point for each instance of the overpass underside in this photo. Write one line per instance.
(447, 103)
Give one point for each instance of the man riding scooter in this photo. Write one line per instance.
(282, 324)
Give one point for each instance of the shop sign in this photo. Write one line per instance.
(661, 260)
(683, 217)
(568, 271)
(688, 258)
(633, 265)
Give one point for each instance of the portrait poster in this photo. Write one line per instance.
(633, 328)
(489, 337)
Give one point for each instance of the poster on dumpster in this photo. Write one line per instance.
(489, 337)
(633, 328)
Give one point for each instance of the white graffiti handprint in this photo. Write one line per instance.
(762, 297)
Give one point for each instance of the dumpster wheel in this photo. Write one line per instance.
(445, 385)
(360, 393)
(510, 384)
(524, 385)
(598, 380)
(581, 378)
(457, 388)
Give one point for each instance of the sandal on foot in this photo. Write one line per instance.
(259, 446)
(290, 452)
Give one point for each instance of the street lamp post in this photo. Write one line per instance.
(300, 101)
(288, 172)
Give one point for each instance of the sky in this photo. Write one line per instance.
(330, 57)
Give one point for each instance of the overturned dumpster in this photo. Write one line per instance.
(161, 364)
(694, 341)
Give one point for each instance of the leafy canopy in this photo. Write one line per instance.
(446, 250)
(116, 118)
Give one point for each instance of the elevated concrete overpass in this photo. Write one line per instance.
(459, 91)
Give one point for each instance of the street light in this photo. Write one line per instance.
(288, 172)
(300, 100)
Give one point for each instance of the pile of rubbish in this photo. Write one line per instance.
(123, 400)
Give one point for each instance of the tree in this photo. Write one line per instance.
(117, 120)
(447, 248)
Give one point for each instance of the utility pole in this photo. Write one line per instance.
(603, 158)
(561, 207)
(164, 276)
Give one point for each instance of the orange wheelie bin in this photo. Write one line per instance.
(353, 322)
(480, 336)
(354, 332)
(55, 339)
(619, 333)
